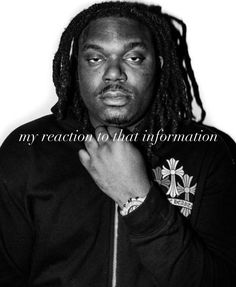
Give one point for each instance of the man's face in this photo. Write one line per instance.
(116, 71)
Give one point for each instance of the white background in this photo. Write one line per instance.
(30, 32)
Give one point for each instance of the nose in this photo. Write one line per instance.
(114, 72)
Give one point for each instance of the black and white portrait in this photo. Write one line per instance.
(117, 157)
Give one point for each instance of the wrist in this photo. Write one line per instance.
(132, 204)
(138, 190)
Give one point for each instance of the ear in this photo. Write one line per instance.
(161, 61)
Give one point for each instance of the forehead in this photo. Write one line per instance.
(116, 29)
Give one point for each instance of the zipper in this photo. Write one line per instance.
(115, 241)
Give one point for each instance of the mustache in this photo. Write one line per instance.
(115, 87)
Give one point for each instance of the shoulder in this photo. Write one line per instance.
(37, 125)
(214, 143)
(22, 134)
(200, 147)
(16, 149)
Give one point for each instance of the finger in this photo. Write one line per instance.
(91, 144)
(102, 135)
(114, 132)
(84, 158)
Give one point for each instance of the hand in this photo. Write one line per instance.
(117, 167)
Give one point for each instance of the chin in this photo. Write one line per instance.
(118, 121)
(117, 118)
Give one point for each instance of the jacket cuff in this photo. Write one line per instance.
(151, 215)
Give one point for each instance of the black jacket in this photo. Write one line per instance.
(57, 228)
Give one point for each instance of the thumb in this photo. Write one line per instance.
(84, 158)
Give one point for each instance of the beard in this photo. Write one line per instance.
(118, 121)
(119, 117)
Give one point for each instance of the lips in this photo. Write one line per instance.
(115, 98)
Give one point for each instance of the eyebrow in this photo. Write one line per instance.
(91, 46)
(133, 45)
(129, 46)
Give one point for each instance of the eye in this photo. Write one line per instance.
(94, 60)
(135, 59)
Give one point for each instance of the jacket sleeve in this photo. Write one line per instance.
(15, 241)
(16, 231)
(178, 253)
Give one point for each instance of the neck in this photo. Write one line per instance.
(95, 123)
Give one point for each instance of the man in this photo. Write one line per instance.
(118, 210)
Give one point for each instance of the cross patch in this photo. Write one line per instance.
(178, 185)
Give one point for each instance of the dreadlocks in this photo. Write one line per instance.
(177, 87)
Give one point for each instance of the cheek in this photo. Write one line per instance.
(143, 82)
(86, 82)
(142, 79)
(89, 80)
(149, 74)
(88, 88)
